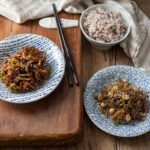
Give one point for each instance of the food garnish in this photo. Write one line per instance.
(24, 70)
(123, 103)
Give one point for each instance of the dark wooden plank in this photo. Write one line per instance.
(141, 142)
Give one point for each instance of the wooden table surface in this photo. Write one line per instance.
(93, 138)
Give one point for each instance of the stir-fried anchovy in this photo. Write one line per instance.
(123, 103)
(25, 70)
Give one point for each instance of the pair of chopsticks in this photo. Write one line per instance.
(70, 69)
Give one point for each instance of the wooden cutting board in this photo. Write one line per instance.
(56, 119)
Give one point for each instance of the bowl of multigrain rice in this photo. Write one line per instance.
(105, 25)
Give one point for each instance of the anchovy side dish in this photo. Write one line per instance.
(123, 103)
(24, 70)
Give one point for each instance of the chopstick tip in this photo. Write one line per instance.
(53, 4)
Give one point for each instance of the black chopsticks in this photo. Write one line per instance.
(70, 69)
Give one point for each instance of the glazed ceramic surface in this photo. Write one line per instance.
(105, 77)
(109, 7)
(55, 61)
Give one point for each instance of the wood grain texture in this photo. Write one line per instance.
(93, 138)
(58, 117)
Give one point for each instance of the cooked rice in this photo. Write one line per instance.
(105, 26)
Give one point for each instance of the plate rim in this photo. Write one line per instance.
(63, 62)
(85, 95)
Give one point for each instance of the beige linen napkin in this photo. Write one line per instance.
(20, 11)
(136, 46)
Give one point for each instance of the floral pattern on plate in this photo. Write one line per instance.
(104, 77)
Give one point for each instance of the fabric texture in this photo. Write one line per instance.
(136, 46)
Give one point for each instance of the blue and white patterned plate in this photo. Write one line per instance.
(105, 77)
(55, 60)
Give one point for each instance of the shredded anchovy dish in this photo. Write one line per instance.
(24, 70)
(123, 103)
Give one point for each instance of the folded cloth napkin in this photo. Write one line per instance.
(136, 46)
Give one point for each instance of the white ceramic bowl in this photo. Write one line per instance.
(114, 8)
